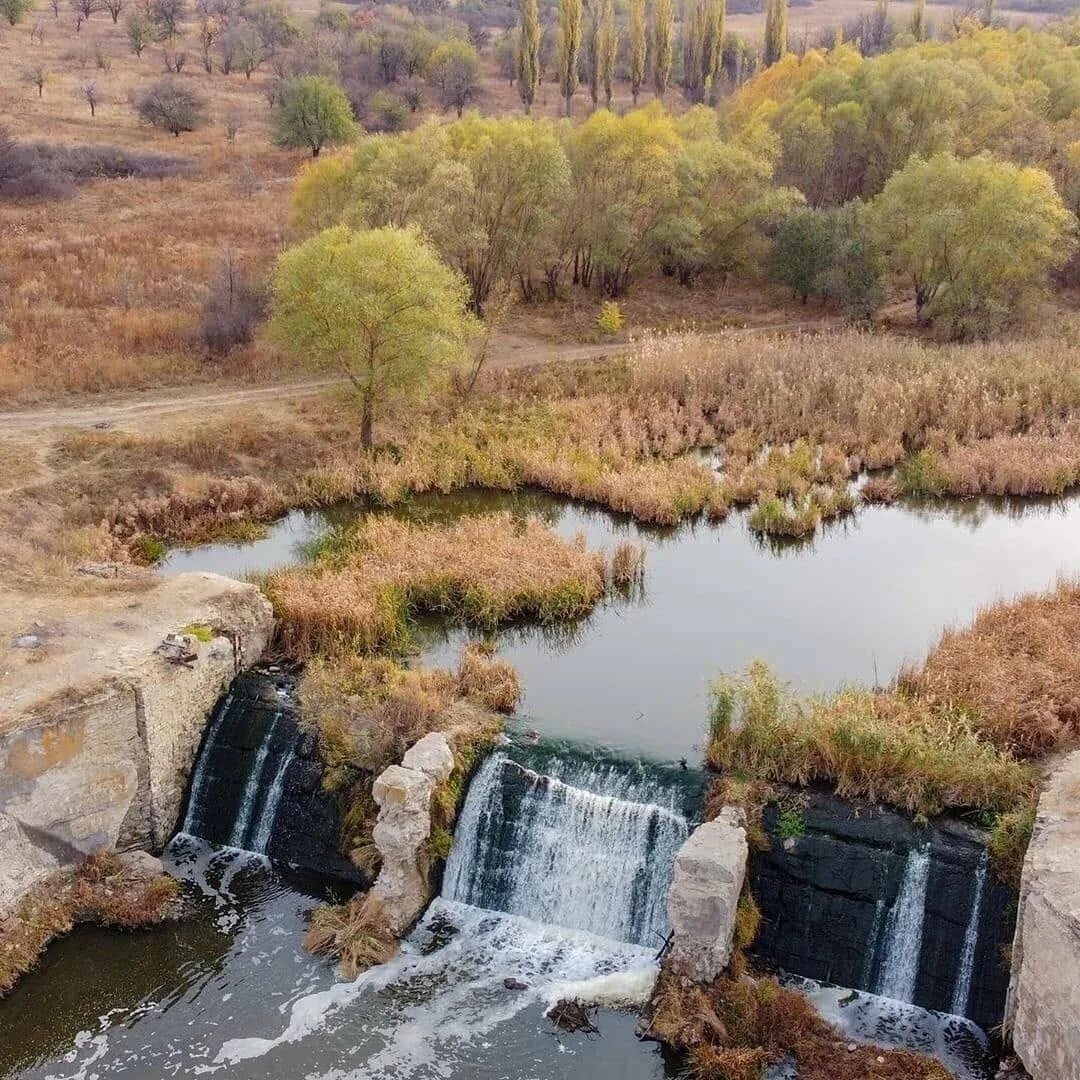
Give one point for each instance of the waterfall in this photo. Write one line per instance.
(537, 846)
(198, 779)
(903, 931)
(962, 990)
(252, 788)
(270, 804)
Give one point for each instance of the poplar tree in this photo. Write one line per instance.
(592, 50)
(638, 47)
(693, 50)
(713, 52)
(529, 52)
(569, 48)
(918, 21)
(663, 18)
(776, 33)
(607, 49)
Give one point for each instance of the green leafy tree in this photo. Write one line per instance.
(454, 70)
(529, 53)
(313, 113)
(975, 237)
(378, 306)
(776, 31)
(140, 31)
(15, 10)
(803, 252)
(638, 47)
(854, 281)
(663, 29)
(569, 48)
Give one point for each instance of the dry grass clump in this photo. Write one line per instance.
(1015, 669)
(880, 746)
(102, 890)
(355, 934)
(488, 679)
(485, 570)
(736, 1027)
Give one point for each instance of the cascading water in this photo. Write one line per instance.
(533, 845)
(962, 990)
(253, 788)
(555, 887)
(903, 931)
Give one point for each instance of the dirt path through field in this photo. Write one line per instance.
(508, 351)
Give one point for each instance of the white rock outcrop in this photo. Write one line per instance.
(1043, 1007)
(101, 756)
(704, 896)
(403, 794)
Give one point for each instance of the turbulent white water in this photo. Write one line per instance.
(578, 877)
(252, 788)
(903, 931)
(536, 846)
(962, 990)
(869, 1018)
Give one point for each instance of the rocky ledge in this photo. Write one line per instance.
(98, 737)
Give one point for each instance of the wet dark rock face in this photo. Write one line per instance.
(826, 897)
(258, 781)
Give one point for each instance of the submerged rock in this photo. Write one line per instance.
(704, 896)
(572, 1016)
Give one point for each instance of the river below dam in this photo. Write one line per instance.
(563, 850)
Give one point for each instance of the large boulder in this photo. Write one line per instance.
(98, 738)
(431, 755)
(401, 834)
(704, 897)
(1044, 994)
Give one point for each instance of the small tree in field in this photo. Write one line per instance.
(14, 10)
(379, 306)
(175, 108)
(314, 113)
(140, 31)
(454, 69)
(91, 96)
(38, 76)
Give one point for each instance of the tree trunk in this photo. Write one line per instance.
(367, 421)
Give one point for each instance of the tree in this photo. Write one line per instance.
(140, 31)
(712, 57)
(82, 10)
(569, 48)
(454, 70)
(167, 15)
(803, 252)
(529, 53)
(38, 75)
(209, 31)
(975, 237)
(91, 96)
(114, 7)
(591, 49)
(15, 10)
(508, 53)
(607, 50)
(378, 306)
(918, 21)
(173, 107)
(854, 281)
(663, 22)
(638, 47)
(776, 31)
(314, 113)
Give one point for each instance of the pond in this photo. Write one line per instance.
(862, 598)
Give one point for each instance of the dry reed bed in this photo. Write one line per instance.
(1015, 670)
(101, 890)
(370, 580)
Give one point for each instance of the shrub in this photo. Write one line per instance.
(233, 307)
(487, 679)
(171, 106)
(313, 113)
(610, 320)
(15, 10)
(355, 934)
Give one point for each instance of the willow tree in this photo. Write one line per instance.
(378, 306)
(569, 48)
(638, 47)
(607, 50)
(663, 22)
(776, 31)
(529, 52)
